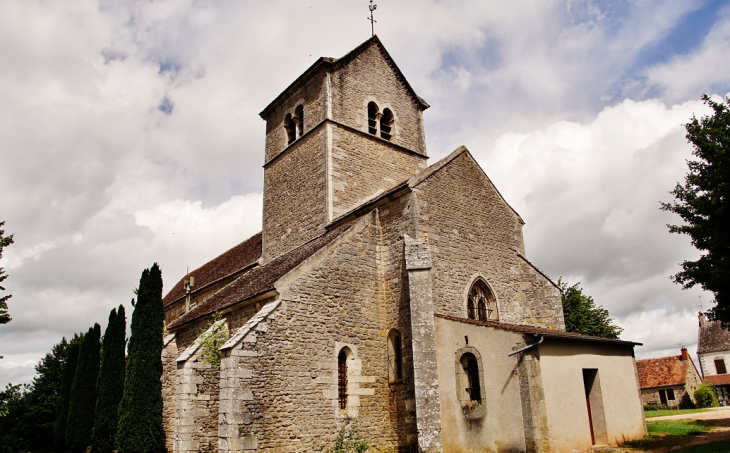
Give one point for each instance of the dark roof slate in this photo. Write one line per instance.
(229, 262)
(712, 337)
(662, 371)
(258, 280)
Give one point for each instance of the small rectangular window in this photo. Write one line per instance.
(720, 366)
(670, 394)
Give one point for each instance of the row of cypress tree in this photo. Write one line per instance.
(109, 401)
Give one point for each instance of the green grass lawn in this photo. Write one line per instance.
(661, 413)
(677, 427)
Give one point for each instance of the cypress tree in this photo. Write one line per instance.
(64, 393)
(111, 382)
(83, 392)
(140, 412)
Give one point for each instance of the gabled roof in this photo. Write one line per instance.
(258, 280)
(329, 64)
(663, 371)
(230, 262)
(712, 337)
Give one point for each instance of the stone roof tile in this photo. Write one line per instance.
(712, 337)
(258, 280)
(229, 262)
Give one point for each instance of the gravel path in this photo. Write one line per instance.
(716, 413)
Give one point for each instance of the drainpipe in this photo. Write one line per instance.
(527, 347)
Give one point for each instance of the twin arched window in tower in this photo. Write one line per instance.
(380, 123)
(481, 303)
(294, 124)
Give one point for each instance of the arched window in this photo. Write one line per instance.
(386, 124)
(482, 298)
(299, 120)
(395, 357)
(471, 369)
(373, 117)
(290, 128)
(342, 378)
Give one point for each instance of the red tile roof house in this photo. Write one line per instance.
(713, 349)
(671, 381)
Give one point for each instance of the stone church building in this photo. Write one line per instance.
(382, 293)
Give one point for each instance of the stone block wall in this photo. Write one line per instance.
(168, 380)
(294, 196)
(312, 95)
(363, 166)
(474, 233)
(369, 77)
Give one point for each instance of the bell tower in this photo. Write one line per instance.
(344, 132)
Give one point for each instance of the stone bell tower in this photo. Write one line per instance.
(344, 132)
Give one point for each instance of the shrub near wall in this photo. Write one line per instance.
(705, 396)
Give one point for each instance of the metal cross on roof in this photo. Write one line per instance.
(372, 7)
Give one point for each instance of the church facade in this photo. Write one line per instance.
(382, 294)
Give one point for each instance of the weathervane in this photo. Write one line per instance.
(372, 7)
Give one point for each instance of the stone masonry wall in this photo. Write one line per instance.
(368, 77)
(364, 166)
(473, 232)
(294, 196)
(313, 98)
(348, 294)
(169, 367)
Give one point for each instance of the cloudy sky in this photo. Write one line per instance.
(129, 134)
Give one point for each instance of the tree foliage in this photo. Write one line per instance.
(583, 316)
(64, 391)
(703, 203)
(140, 412)
(705, 396)
(83, 392)
(4, 242)
(111, 382)
(29, 415)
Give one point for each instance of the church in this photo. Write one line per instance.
(383, 294)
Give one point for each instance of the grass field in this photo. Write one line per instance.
(661, 413)
(677, 427)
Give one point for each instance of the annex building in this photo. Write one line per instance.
(385, 293)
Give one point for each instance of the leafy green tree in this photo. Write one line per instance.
(83, 392)
(4, 242)
(703, 203)
(28, 420)
(583, 316)
(705, 396)
(111, 382)
(140, 412)
(64, 392)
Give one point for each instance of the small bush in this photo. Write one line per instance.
(349, 440)
(705, 396)
(655, 407)
(211, 342)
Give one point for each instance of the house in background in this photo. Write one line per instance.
(713, 349)
(671, 381)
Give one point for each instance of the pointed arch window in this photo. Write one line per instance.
(482, 298)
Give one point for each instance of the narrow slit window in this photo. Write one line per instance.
(342, 379)
(290, 128)
(470, 309)
(373, 113)
(395, 357)
(299, 120)
(386, 124)
(471, 367)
